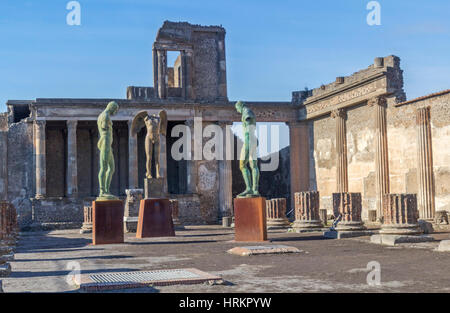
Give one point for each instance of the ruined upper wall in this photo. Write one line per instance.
(202, 56)
(382, 78)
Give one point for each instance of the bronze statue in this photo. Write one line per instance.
(248, 152)
(107, 166)
(156, 125)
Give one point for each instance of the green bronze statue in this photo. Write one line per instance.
(107, 167)
(248, 152)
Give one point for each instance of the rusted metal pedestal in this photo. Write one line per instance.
(155, 218)
(250, 219)
(107, 222)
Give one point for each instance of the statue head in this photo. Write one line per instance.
(23, 193)
(239, 106)
(112, 107)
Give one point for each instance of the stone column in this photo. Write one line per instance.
(222, 72)
(133, 180)
(381, 153)
(341, 151)
(72, 174)
(276, 213)
(226, 172)
(162, 74)
(174, 205)
(347, 210)
(187, 73)
(400, 215)
(299, 157)
(87, 223)
(425, 175)
(307, 210)
(41, 181)
(191, 164)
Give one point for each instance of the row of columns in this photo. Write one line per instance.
(299, 157)
(425, 161)
(225, 165)
(161, 77)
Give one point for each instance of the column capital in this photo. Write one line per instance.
(71, 123)
(40, 123)
(422, 115)
(379, 100)
(342, 113)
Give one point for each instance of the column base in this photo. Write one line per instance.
(300, 225)
(350, 226)
(86, 228)
(277, 223)
(401, 229)
(130, 224)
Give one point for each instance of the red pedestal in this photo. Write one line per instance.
(155, 219)
(250, 219)
(107, 222)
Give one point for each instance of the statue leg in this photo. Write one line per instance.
(255, 177)
(110, 171)
(102, 172)
(149, 155)
(254, 166)
(245, 172)
(157, 149)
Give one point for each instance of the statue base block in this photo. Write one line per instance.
(107, 222)
(155, 218)
(250, 219)
(154, 188)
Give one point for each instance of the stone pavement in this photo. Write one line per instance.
(44, 259)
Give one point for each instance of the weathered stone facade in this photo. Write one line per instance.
(350, 135)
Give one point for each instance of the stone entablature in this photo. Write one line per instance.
(384, 77)
(89, 109)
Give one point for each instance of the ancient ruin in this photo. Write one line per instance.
(345, 136)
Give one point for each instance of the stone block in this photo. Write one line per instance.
(155, 219)
(392, 240)
(427, 227)
(250, 219)
(5, 270)
(333, 234)
(175, 209)
(256, 250)
(107, 222)
(444, 246)
(154, 188)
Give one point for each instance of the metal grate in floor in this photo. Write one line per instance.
(140, 277)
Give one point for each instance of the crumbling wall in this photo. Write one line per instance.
(361, 155)
(324, 159)
(20, 160)
(402, 142)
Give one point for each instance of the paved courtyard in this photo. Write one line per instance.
(44, 259)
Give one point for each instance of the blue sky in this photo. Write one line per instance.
(273, 47)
